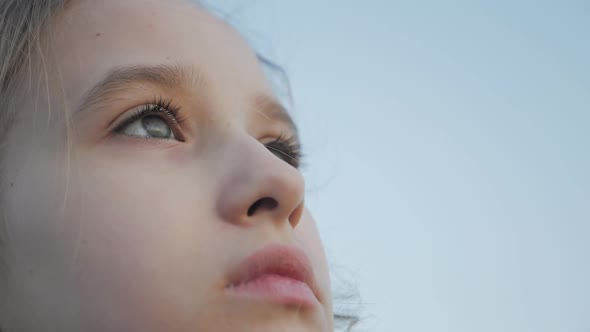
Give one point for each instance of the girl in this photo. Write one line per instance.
(149, 176)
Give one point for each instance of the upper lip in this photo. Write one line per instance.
(286, 261)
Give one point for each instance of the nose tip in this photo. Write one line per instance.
(262, 187)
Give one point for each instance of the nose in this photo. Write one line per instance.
(256, 185)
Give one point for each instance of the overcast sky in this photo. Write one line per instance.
(448, 154)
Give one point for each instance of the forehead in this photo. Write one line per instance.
(93, 36)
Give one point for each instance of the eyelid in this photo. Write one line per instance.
(280, 134)
(138, 112)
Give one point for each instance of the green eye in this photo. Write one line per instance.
(156, 127)
(149, 126)
(152, 121)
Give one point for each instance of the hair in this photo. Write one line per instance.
(22, 23)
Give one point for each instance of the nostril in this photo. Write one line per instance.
(267, 203)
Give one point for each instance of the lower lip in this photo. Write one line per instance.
(277, 289)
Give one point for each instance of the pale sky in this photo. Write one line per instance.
(448, 154)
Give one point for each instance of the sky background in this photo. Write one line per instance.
(448, 154)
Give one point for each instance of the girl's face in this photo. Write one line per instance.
(171, 186)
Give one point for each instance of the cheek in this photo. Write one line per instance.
(142, 237)
(308, 237)
(33, 198)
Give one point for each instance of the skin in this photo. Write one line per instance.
(108, 232)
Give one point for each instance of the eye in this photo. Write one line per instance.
(287, 149)
(157, 120)
(149, 126)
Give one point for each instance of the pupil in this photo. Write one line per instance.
(156, 127)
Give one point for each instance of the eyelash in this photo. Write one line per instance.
(289, 149)
(285, 147)
(157, 106)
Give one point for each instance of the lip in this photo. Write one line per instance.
(276, 273)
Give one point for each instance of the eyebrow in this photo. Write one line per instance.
(177, 76)
(121, 78)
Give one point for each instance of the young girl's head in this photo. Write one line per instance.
(149, 177)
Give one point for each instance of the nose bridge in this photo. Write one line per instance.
(257, 185)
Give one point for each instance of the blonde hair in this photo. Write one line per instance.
(21, 24)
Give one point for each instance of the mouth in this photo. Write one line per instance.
(276, 273)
